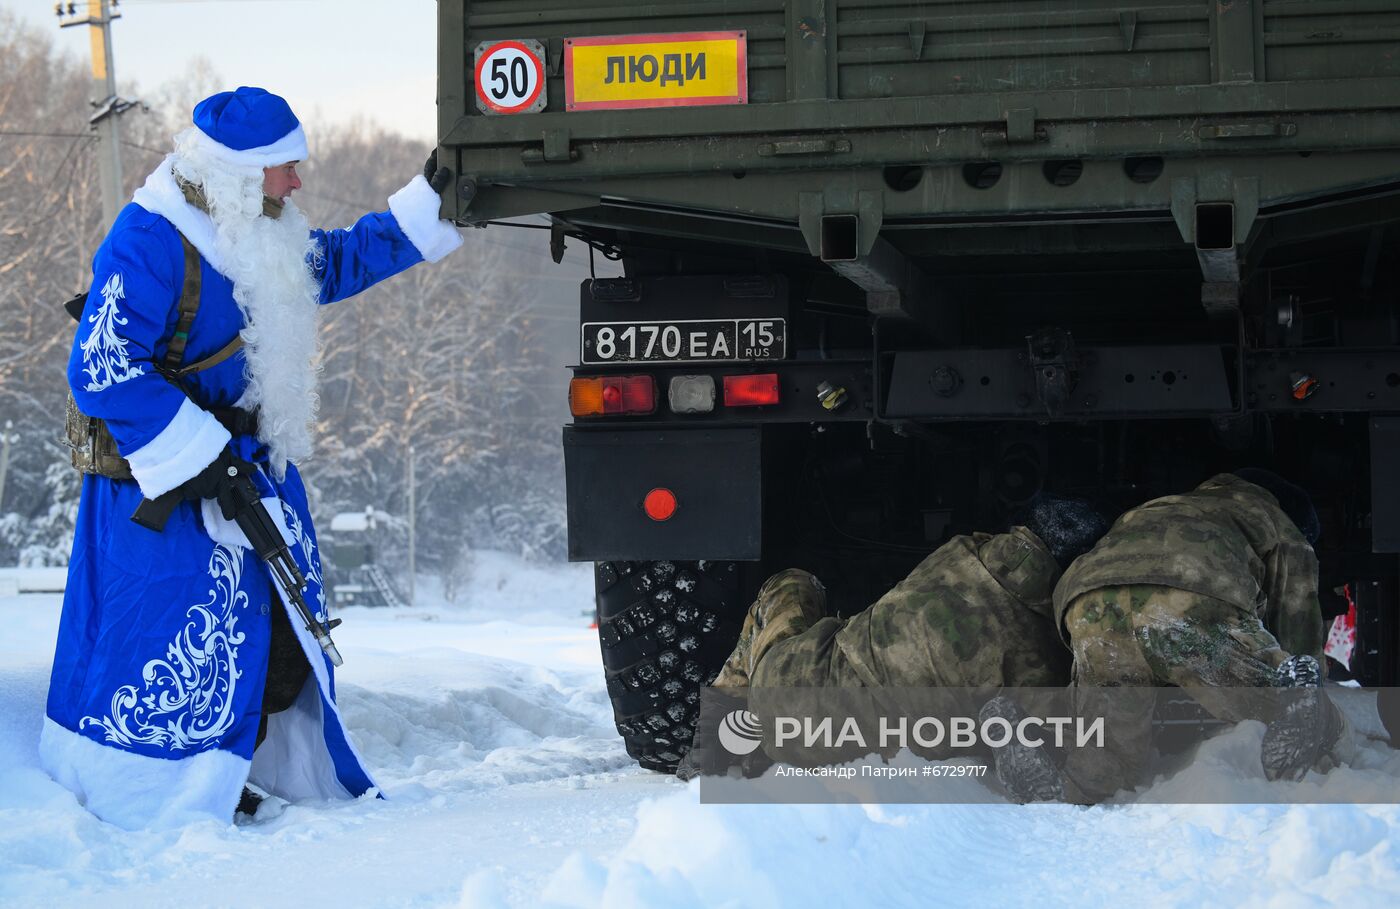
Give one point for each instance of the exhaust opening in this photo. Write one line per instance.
(1215, 226)
(839, 238)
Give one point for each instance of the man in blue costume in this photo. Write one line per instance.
(161, 706)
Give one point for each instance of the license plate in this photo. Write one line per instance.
(685, 341)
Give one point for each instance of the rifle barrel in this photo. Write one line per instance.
(257, 525)
(266, 539)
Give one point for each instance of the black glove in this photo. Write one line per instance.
(217, 482)
(437, 177)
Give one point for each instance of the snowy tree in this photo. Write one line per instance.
(455, 359)
(446, 358)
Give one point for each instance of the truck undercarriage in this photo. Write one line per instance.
(1098, 374)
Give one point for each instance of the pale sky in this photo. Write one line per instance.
(331, 59)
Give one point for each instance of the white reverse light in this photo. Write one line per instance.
(692, 394)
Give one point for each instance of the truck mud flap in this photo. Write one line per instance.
(714, 475)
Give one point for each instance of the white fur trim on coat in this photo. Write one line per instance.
(161, 196)
(416, 208)
(135, 792)
(189, 443)
(292, 762)
(291, 147)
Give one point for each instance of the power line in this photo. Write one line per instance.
(8, 132)
(158, 151)
(183, 2)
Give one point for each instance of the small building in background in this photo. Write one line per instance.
(355, 578)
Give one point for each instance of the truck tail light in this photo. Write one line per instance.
(751, 391)
(691, 394)
(610, 395)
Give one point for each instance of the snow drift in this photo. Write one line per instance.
(489, 727)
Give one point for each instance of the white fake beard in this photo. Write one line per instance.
(268, 262)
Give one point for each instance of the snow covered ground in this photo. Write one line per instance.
(489, 728)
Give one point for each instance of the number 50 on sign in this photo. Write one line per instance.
(510, 77)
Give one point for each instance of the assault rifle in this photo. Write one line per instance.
(257, 525)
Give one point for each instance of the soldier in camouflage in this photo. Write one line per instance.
(976, 612)
(1215, 588)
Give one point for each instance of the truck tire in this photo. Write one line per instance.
(665, 629)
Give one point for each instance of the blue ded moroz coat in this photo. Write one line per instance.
(157, 685)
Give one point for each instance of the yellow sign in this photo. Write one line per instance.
(691, 69)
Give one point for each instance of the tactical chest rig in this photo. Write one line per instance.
(94, 448)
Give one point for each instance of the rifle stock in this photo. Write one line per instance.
(153, 514)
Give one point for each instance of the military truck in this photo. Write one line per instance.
(890, 269)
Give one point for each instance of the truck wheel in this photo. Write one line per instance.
(665, 628)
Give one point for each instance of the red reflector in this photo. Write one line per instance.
(660, 504)
(751, 391)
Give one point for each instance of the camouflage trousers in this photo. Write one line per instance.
(975, 613)
(1145, 636)
(788, 604)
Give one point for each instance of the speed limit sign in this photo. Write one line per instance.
(510, 77)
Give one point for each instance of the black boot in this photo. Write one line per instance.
(1029, 774)
(248, 802)
(708, 757)
(1307, 724)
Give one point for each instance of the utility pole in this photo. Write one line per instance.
(5, 440)
(98, 18)
(412, 530)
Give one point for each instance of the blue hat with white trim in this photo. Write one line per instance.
(250, 127)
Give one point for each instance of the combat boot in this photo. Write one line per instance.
(788, 604)
(1308, 724)
(257, 805)
(735, 671)
(1029, 774)
(249, 801)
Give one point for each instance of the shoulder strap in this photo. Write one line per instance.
(212, 360)
(189, 307)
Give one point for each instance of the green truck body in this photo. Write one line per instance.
(1259, 104)
(1008, 246)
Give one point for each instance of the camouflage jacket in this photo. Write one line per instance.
(1227, 539)
(975, 612)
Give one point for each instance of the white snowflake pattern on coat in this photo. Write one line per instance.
(308, 552)
(105, 359)
(188, 699)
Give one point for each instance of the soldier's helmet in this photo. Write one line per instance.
(1069, 527)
